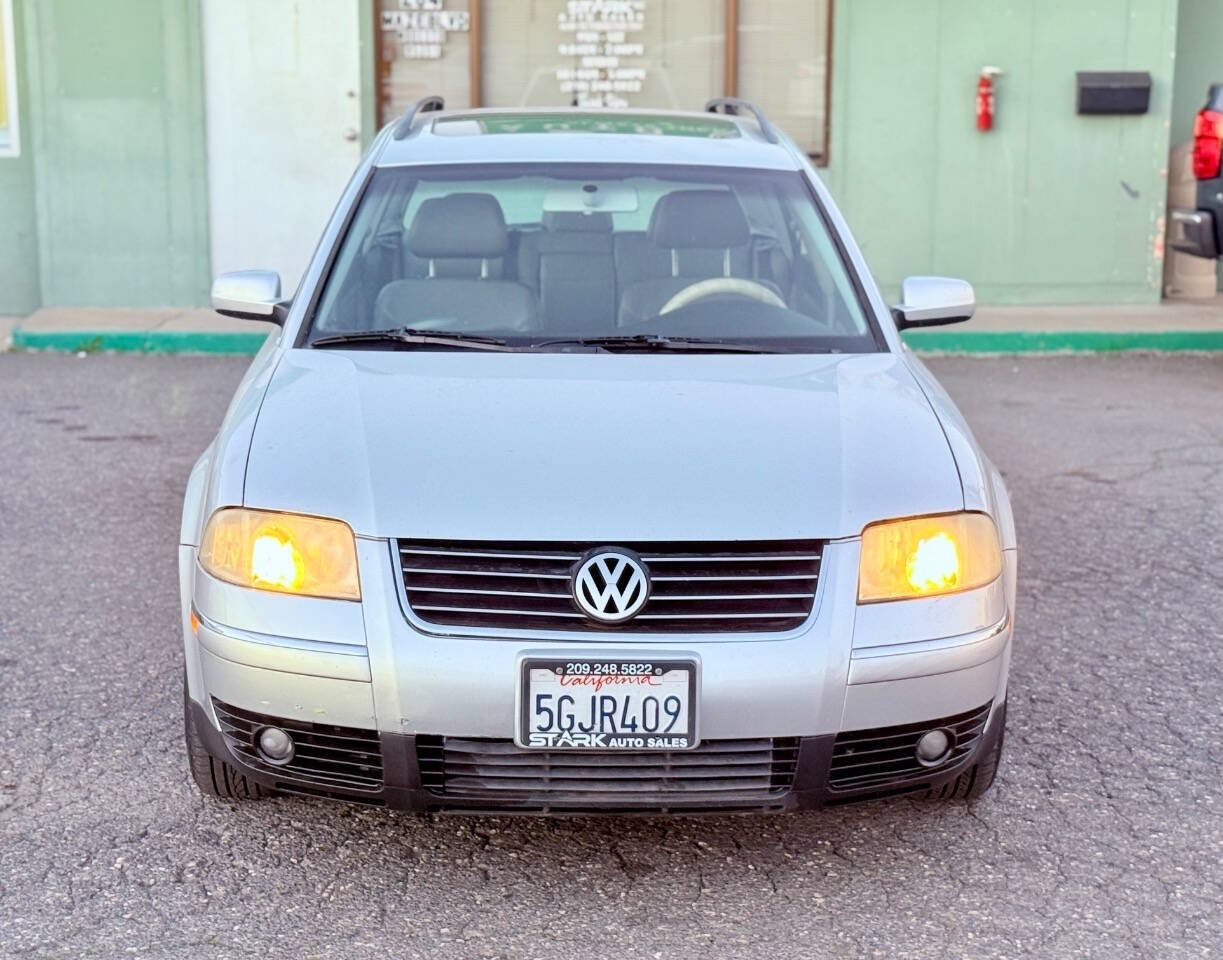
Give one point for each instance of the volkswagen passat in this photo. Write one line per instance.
(588, 471)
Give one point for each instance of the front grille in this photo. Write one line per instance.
(741, 587)
(744, 773)
(326, 756)
(886, 756)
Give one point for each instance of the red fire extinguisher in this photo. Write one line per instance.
(985, 98)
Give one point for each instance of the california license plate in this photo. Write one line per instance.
(578, 703)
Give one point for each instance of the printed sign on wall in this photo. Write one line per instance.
(600, 35)
(424, 26)
(9, 142)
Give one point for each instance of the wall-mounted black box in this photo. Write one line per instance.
(1111, 92)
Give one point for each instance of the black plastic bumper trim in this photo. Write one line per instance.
(1193, 232)
(402, 783)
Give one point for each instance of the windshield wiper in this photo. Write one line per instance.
(655, 343)
(409, 336)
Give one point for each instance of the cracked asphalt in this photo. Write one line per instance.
(1103, 836)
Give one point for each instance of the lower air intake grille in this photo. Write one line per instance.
(887, 756)
(325, 756)
(746, 773)
(714, 587)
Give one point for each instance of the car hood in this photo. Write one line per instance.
(599, 447)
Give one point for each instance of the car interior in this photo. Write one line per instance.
(451, 262)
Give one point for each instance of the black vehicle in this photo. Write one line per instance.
(1200, 231)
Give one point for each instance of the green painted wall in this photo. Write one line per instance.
(18, 225)
(1049, 207)
(120, 186)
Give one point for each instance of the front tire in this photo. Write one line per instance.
(977, 779)
(214, 777)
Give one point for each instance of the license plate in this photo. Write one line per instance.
(578, 703)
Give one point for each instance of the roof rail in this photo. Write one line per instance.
(736, 107)
(403, 126)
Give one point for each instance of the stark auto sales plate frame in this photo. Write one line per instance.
(607, 703)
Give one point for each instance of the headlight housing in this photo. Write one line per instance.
(928, 556)
(284, 552)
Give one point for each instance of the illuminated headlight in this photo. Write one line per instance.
(285, 552)
(927, 556)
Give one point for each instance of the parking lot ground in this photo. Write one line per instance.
(1103, 836)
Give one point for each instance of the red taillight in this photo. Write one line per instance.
(1207, 144)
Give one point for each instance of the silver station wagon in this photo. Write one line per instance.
(587, 471)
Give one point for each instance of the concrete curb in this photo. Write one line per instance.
(1065, 341)
(139, 341)
(958, 342)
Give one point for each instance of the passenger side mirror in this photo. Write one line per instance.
(933, 302)
(249, 295)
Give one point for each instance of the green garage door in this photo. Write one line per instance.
(1049, 207)
(117, 96)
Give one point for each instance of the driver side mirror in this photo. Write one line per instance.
(249, 295)
(933, 302)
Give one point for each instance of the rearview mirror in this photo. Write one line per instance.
(591, 197)
(249, 295)
(933, 302)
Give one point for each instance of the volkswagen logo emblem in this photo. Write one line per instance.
(611, 585)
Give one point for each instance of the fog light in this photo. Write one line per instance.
(934, 747)
(275, 745)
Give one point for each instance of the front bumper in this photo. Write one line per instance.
(782, 710)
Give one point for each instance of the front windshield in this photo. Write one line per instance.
(553, 257)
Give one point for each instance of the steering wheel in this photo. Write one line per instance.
(722, 285)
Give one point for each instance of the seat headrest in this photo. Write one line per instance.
(460, 225)
(578, 222)
(699, 219)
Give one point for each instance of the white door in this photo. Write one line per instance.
(282, 83)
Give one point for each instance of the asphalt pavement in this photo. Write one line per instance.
(1103, 836)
